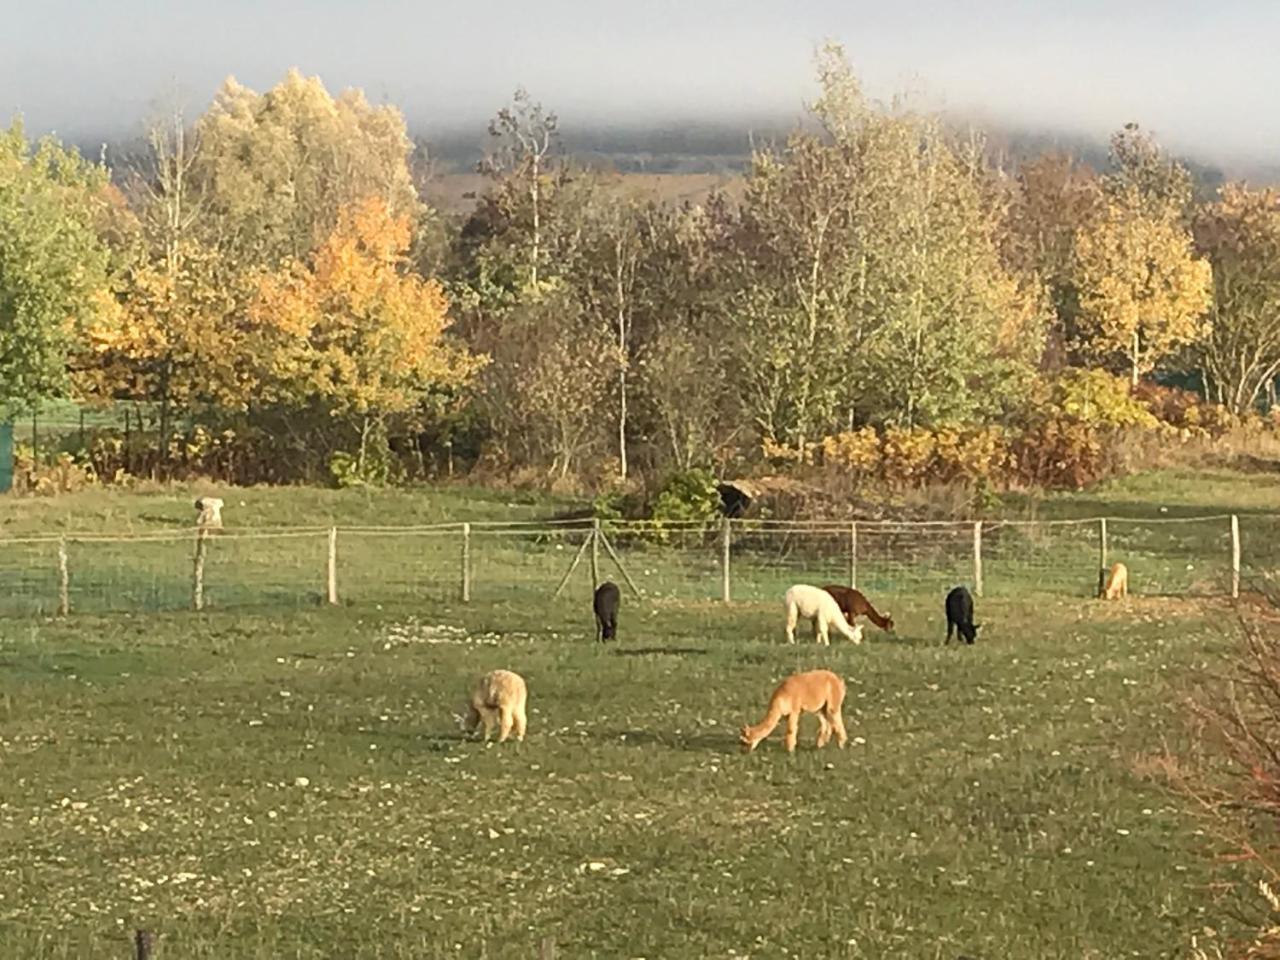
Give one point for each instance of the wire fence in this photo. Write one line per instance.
(736, 560)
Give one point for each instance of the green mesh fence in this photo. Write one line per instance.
(498, 563)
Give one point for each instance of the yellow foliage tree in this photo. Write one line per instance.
(354, 329)
(170, 336)
(276, 167)
(1142, 290)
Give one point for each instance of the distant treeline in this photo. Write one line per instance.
(874, 287)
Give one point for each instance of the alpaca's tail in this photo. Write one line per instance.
(875, 617)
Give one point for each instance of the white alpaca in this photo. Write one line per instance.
(819, 606)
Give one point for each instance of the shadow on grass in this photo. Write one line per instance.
(697, 743)
(660, 651)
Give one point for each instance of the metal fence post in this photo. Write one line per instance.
(466, 563)
(1235, 556)
(331, 567)
(726, 585)
(853, 554)
(977, 557)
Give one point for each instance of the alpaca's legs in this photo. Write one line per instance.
(837, 722)
(792, 615)
(521, 720)
(793, 730)
(824, 730)
(504, 724)
(820, 628)
(487, 717)
(950, 628)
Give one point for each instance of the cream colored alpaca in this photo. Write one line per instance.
(818, 691)
(1117, 582)
(819, 606)
(498, 697)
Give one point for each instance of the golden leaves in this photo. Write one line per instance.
(355, 328)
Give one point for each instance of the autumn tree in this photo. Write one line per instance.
(1240, 236)
(52, 263)
(1157, 183)
(276, 168)
(524, 137)
(174, 339)
(688, 401)
(870, 285)
(352, 330)
(1052, 199)
(1142, 291)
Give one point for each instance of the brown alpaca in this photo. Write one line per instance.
(1117, 584)
(498, 697)
(818, 691)
(852, 603)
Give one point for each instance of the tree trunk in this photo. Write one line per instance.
(620, 293)
(364, 445)
(534, 195)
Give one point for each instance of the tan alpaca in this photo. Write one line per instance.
(818, 691)
(498, 697)
(1117, 584)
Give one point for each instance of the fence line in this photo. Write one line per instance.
(61, 574)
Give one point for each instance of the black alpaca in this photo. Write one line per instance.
(605, 604)
(960, 615)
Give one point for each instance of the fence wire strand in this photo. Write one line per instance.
(514, 562)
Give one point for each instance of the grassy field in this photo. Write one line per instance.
(292, 782)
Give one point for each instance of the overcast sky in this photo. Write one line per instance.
(1200, 74)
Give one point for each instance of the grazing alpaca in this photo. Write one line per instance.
(960, 615)
(854, 604)
(819, 606)
(605, 604)
(498, 697)
(818, 691)
(1117, 583)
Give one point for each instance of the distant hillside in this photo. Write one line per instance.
(685, 161)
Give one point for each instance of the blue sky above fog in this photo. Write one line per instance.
(1198, 74)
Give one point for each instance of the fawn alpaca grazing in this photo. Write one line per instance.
(853, 603)
(498, 698)
(605, 604)
(819, 606)
(960, 615)
(818, 691)
(1117, 582)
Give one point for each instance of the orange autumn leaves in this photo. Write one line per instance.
(351, 329)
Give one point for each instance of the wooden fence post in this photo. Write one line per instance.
(1235, 556)
(466, 563)
(142, 944)
(853, 554)
(1102, 555)
(977, 557)
(726, 584)
(595, 554)
(197, 573)
(331, 567)
(64, 580)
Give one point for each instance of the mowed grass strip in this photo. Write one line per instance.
(296, 785)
